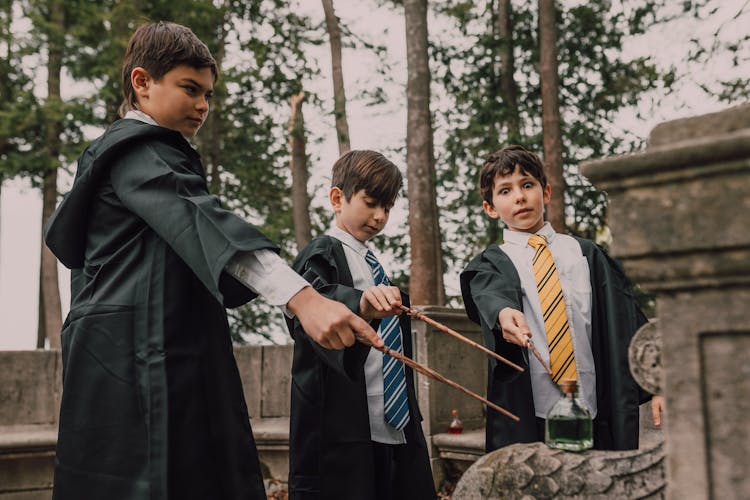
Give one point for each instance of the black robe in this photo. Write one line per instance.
(152, 402)
(490, 283)
(331, 453)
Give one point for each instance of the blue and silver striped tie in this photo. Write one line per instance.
(394, 378)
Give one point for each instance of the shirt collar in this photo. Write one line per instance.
(135, 114)
(348, 240)
(522, 238)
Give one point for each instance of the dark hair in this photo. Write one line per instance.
(368, 170)
(158, 48)
(504, 162)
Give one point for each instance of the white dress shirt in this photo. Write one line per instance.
(262, 271)
(575, 280)
(380, 430)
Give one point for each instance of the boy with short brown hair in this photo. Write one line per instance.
(152, 402)
(355, 424)
(566, 295)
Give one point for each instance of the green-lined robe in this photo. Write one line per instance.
(152, 403)
(490, 283)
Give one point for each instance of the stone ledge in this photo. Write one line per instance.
(466, 446)
(15, 438)
(271, 430)
(272, 440)
(27, 459)
(666, 163)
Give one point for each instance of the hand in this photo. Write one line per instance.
(514, 327)
(380, 301)
(658, 405)
(330, 323)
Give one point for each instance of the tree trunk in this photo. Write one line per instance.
(339, 96)
(51, 313)
(5, 88)
(508, 85)
(211, 143)
(553, 162)
(426, 282)
(503, 32)
(300, 199)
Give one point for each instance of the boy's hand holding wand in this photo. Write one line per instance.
(381, 301)
(516, 331)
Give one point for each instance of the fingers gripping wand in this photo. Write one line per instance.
(429, 372)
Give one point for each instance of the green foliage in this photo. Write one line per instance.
(595, 83)
(264, 47)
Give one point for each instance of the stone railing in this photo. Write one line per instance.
(29, 404)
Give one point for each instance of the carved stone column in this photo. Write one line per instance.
(680, 219)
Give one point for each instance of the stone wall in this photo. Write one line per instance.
(30, 384)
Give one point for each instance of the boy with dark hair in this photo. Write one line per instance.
(355, 424)
(563, 293)
(152, 403)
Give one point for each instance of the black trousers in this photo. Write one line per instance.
(387, 477)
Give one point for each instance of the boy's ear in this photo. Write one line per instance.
(140, 80)
(546, 194)
(336, 196)
(490, 210)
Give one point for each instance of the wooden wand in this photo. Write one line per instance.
(429, 372)
(416, 314)
(538, 356)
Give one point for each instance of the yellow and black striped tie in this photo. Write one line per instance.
(559, 339)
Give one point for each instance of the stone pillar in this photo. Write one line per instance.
(680, 219)
(456, 361)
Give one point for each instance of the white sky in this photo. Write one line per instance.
(381, 128)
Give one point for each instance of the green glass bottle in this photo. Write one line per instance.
(568, 425)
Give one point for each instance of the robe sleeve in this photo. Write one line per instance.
(486, 291)
(161, 185)
(320, 272)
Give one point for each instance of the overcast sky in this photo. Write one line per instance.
(380, 128)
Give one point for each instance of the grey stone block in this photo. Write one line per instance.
(30, 387)
(277, 380)
(250, 363)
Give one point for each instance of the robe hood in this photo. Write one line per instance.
(65, 231)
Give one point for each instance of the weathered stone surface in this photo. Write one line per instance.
(277, 381)
(459, 362)
(250, 363)
(679, 215)
(30, 387)
(29, 401)
(526, 471)
(697, 127)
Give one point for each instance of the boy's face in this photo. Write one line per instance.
(362, 216)
(518, 199)
(179, 100)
